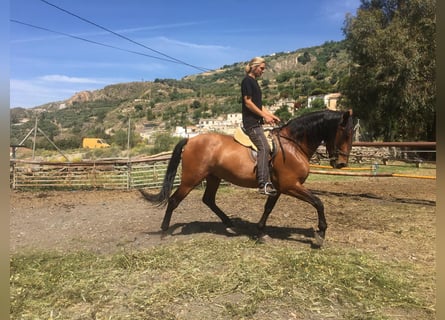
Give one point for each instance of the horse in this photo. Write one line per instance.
(216, 156)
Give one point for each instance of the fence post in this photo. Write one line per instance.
(14, 175)
(129, 175)
(94, 174)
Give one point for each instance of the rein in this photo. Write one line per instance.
(277, 133)
(334, 156)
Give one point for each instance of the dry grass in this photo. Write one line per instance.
(216, 278)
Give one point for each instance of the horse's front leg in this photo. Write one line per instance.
(270, 204)
(304, 194)
(322, 224)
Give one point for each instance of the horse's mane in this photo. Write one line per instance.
(314, 124)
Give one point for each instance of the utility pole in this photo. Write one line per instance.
(128, 153)
(128, 137)
(35, 129)
(34, 140)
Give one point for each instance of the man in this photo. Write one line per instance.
(254, 116)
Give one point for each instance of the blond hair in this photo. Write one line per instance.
(254, 62)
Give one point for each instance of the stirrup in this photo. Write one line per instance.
(268, 189)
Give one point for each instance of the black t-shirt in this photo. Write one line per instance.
(250, 87)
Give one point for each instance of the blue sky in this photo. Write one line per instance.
(47, 67)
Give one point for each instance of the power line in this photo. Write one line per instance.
(91, 41)
(124, 37)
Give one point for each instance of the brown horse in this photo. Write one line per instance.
(216, 156)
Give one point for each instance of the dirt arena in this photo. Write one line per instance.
(391, 216)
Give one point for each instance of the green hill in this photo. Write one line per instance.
(165, 103)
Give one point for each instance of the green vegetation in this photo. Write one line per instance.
(392, 85)
(234, 278)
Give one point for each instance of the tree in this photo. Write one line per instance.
(391, 86)
(283, 113)
(164, 142)
(195, 104)
(149, 115)
(305, 58)
(318, 104)
(120, 138)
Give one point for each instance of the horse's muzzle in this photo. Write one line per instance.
(338, 165)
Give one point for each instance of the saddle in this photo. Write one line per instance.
(242, 138)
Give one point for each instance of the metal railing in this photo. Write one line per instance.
(101, 174)
(149, 172)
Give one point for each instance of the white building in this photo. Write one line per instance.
(330, 100)
(235, 119)
(186, 132)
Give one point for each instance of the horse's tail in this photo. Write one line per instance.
(162, 197)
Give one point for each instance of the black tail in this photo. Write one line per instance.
(162, 197)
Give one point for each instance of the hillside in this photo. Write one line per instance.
(165, 103)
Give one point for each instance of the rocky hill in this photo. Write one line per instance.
(165, 103)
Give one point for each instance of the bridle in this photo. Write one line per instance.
(339, 152)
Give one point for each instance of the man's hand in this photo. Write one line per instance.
(271, 119)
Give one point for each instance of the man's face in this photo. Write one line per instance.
(259, 69)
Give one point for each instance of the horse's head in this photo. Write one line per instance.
(340, 146)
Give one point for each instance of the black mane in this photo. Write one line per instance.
(314, 125)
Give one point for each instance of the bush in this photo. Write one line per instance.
(164, 142)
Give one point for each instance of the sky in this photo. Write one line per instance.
(61, 47)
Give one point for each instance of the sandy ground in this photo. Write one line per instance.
(390, 216)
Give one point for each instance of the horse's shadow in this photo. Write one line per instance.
(241, 228)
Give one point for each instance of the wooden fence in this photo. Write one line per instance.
(145, 172)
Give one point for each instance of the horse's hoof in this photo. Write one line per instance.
(263, 238)
(319, 239)
(165, 234)
(231, 231)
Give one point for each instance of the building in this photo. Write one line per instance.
(330, 100)
(235, 119)
(186, 132)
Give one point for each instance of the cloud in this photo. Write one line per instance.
(204, 55)
(159, 27)
(192, 45)
(50, 88)
(52, 36)
(31, 93)
(66, 79)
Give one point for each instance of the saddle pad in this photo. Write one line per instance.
(241, 137)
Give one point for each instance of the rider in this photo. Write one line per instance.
(254, 116)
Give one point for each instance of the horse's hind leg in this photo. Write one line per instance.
(173, 202)
(209, 198)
